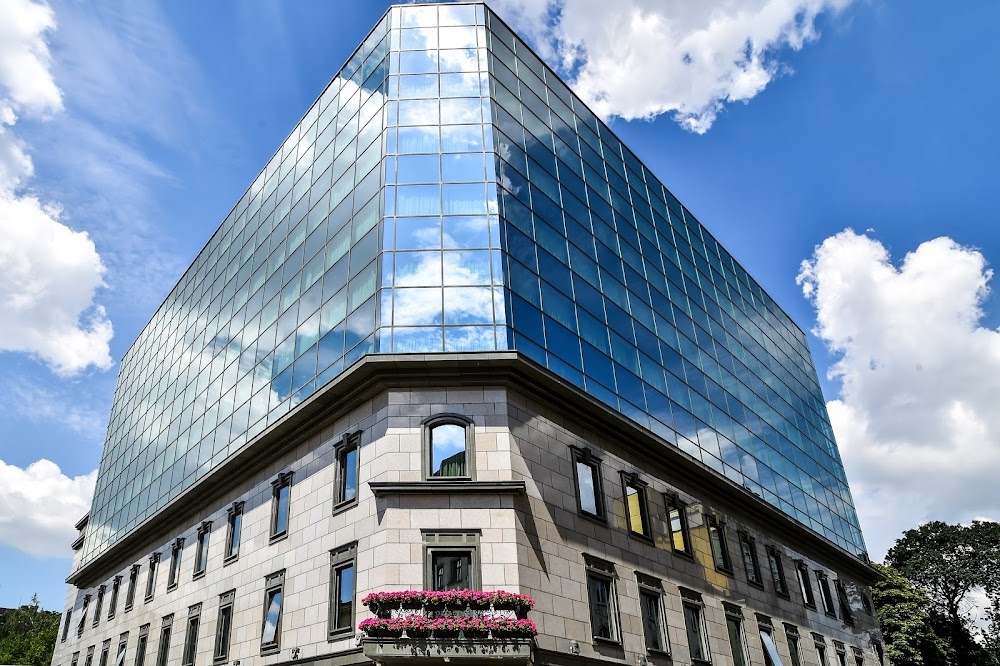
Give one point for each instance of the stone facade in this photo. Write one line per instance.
(531, 536)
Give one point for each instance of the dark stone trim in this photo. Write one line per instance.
(373, 374)
(343, 658)
(458, 487)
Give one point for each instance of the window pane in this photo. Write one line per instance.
(448, 450)
(677, 531)
(345, 597)
(636, 510)
(350, 489)
(273, 617)
(692, 623)
(587, 488)
(281, 517)
(225, 626)
(650, 606)
(736, 641)
(600, 607)
(234, 541)
(452, 570)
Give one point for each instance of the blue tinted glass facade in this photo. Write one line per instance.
(448, 193)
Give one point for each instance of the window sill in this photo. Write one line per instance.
(607, 641)
(657, 653)
(340, 635)
(127, 609)
(275, 538)
(171, 588)
(687, 555)
(642, 537)
(723, 570)
(344, 506)
(272, 648)
(592, 517)
(198, 575)
(439, 487)
(229, 560)
(782, 595)
(759, 586)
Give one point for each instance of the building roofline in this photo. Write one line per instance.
(375, 373)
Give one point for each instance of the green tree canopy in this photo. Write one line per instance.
(28, 635)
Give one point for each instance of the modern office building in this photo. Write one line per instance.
(456, 335)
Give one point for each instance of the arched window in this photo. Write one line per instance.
(448, 450)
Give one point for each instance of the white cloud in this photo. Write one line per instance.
(49, 273)
(642, 58)
(916, 417)
(39, 506)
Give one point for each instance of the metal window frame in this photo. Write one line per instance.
(348, 442)
(274, 582)
(632, 480)
(191, 628)
(220, 647)
(652, 586)
(672, 502)
(174, 572)
(603, 570)
(712, 522)
(777, 573)
(163, 644)
(232, 550)
(154, 561)
(438, 541)
(116, 585)
(341, 558)
(201, 549)
(283, 481)
(448, 418)
(584, 455)
(133, 584)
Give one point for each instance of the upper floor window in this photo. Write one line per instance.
(636, 505)
(448, 447)
(233, 529)
(83, 616)
(717, 540)
(191, 635)
(680, 535)
(748, 549)
(98, 605)
(105, 652)
(845, 603)
(174, 574)
(154, 561)
(141, 645)
(792, 637)
(654, 630)
(777, 571)
(133, 580)
(451, 561)
(825, 594)
(116, 585)
(737, 638)
(820, 643)
(122, 644)
(270, 636)
(604, 624)
(348, 466)
(805, 585)
(589, 487)
(343, 565)
(201, 549)
(65, 631)
(281, 489)
(224, 627)
(163, 648)
(766, 630)
(694, 626)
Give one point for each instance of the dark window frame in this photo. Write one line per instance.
(825, 594)
(721, 556)
(142, 645)
(66, 625)
(154, 561)
(174, 571)
(342, 558)
(748, 546)
(90, 656)
(734, 616)
(652, 588)
(350, 442)
(641, 488)
(585, 456)
(673, 503)
(234, 532)
(274, 584)
(846, 612)
(191, 628)
(794, 645)
(133, 584)
(224, 631)
(105, 652)
(439, 542)
(449, 418)
(282, 483)
(116, 585)
(122, 647)
(82, 624)
(99, 605)
(602, 572)
(163, 644)
(819, 642)
(692, 601)
(777, 569)
(805, 584)
(75, 659)
(201, 550)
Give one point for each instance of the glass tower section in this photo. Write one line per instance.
(448, 193)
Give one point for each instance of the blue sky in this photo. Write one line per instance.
(882, 122)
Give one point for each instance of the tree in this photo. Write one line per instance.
(28, 635)
(904, 615)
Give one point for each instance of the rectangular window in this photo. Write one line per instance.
(270, 635)
(680, 536)
(348, 468)
(105, 653)
(589, 489)
(448, 447)
(805, 585)
(122, 644)
(201, 549)
(792, 636)
(342, 586)
(636, 505)
(845, 603)
(140, 646)
(771, 657)
(451, 561)
(234, 523)
(859, 656)
(83, 616)
(281, 488)
(133, 581)
(717, 540)
(777, 572)
(651, 607)
(694, 626)
(98, 605)
(75, 660)
(824, 589)
(191, 635)
(224, 627)
(748, 550)
(163, 648)
(116, 586)
(174, 574)
(737, 639)
(603, 600)
(841, 650)
(821, 654)
(90, 657)
(65, 631)
(154, 560)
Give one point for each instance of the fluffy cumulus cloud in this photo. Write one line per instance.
(49, 273)
(641, 58)
(40, 505)
(916, 417)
